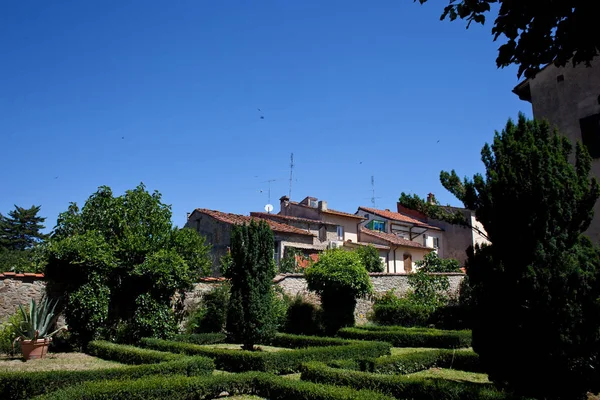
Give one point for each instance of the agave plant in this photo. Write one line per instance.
(37, 320)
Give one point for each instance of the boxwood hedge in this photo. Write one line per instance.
(201, 338)
(410, 337)
(127, 354)
(464, 360)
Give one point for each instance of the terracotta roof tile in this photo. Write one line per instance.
(289, 218)
(391, 238)
(394, 216)
(237, 219)
(330, 211)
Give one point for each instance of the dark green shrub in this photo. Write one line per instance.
(286, 361)
(339, 277)
(201, 338)
(126, 354)
(370, 258)
(402, 387)
(8, 333)
(392, 310)
(25, 385)
(451, 316)
(463, 360)
(210, 315)
(303, 317)
(412, 337)
(300, 341)
(188, 388)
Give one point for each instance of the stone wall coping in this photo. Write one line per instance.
(26, 275)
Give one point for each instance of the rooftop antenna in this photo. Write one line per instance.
(270, 180)
(373, 191)
(291, 174)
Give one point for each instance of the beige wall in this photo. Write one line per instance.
(350, 225)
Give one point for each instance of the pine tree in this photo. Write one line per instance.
(250, 317)
(21, 229)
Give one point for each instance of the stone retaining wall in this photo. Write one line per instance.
(18, 289)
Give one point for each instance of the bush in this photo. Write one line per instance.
(287, 361)
(126, 354)
(210, 315)
(339, 277)
(463, 360)
(300, 341)
(161, 388)
(402, 387)
(370, 258)
(411, 337)
(8, 333)
(303, 318)
(392, 310)
(201, 338)
(24, 385)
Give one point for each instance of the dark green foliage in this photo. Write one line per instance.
(127, 354)
(411, 337)
(463, 360)
(536, 34)
(303, 317)
(301, 341)
(251, 317)
(287, 361)
(288, 263)
(188, 388)
(201, 338)
(429, 289)
(25, 385)
(9, 332)
(118, 262)
(21, 229)
(535, 290)
(401, 387)
(339, 277)
(211, 314)
(370, 258)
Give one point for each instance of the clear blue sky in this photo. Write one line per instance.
(167, 93)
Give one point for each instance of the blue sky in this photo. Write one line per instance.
(168, 93)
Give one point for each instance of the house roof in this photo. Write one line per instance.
(289, 218)
(236, 219)
(393, 239)
(330, 211)
(395, 216)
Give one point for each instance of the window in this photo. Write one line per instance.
(340, 232)
(407, 263)
(590, 134)
(276, 247)
(379, 226)
(425, 240)
(436, 243)
(312, 203)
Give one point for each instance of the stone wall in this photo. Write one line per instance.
(18, 289)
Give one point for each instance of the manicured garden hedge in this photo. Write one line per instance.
(464, 360)
(127, 354)
(410, 337)
(401, 387)
(201, 338)
(286, 361)
(300, 341)
(167, 388)
(26, 384)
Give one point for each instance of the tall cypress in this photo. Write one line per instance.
(250, 316)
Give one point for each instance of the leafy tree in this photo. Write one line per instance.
(369, 256)
(429, 289)
(535, 290)
(250, 317)
(21, 229)
(536, 33)
(339, 278)
(289, 263)
(118, 262)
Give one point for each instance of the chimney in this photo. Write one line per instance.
(322, 205)
(431, 199)
(283, 204)
(188, 216)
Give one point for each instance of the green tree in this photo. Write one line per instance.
(536, 33)
(535, 290)
(428, 288)
(339, 278)
(369, 256)
(118, 262)
(21, 229)
(250, 317)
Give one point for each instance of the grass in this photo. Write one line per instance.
(229, 346)
(56, 362)
(452, 375)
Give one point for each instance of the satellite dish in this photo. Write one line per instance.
(269, 208)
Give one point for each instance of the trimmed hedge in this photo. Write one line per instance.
(300, 341)
(161, 388)
(411, 337)
(402, 387)
(24, 385)
(464, 360)
(287, 361)
(201, 338)
(127, 354)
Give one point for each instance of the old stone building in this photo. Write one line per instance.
(569, 98)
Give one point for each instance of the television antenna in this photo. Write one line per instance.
(291, 174)
(373, 192)
(270, 181)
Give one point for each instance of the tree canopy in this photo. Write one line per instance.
(537, 33)
(22, 228)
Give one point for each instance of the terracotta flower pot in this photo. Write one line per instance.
(33, 349)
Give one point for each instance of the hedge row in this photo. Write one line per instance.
(402, 387)
(300, 341)
(24, 385)
(411, 337)
(286, 361)
(201, 338)
(161, 388)
(464, 360)
(127, 354)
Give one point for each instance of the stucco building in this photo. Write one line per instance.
(569, 98)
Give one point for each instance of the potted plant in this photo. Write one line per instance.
(33, 330)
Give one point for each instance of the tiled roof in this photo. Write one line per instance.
(288, 217)
(391, 238)
(20, 275)
(237, 219)
(330, 211)
(394, 216)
